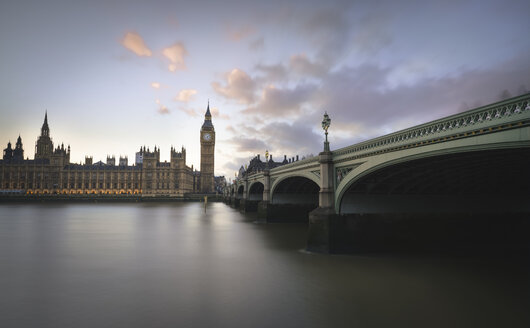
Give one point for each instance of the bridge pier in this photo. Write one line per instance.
(323, 220)
(235, 202)
(248, 205)
(263, 206)
(269, 213)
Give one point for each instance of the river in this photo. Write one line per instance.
(173, 265)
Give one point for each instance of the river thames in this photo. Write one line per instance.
(173, 265)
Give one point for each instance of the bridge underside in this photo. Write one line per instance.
(255, 196)
(478, 182)
(455, 201)
(292, 200)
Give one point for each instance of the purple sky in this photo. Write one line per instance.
(117, 75)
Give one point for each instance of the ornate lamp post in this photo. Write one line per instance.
(266, 158)
(326, 122)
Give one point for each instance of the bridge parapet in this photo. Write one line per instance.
(297, 165)
(479, 120)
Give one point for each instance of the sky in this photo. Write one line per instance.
(117, 75)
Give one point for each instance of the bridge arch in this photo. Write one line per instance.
(295, 189)
(388, 185)
(307, 175)
(240, 192)
(255, 191)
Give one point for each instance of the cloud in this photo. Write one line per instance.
(217, 114)
(257, 44)
(329, 30)
(248, 144)
(155, 85)
(188, 111)
(162, 109)
(301, 65)
(234, 165)
(373, 33)
(278, 137)
(361, 109)
(273, 73)
(239, 33)
(185, 95)
(175, 54)
(282, 102)
(239, 86)
(134, 42)
(354, 95)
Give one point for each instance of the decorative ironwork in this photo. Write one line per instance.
(343, 172)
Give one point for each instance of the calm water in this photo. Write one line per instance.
(172, 265)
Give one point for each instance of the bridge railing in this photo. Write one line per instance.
(296, 163)
(479, 117)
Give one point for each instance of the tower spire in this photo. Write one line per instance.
(45, 130)
(208, 115)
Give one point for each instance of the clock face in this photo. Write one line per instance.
(207, 137)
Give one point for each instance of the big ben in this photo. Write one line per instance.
(207, 153)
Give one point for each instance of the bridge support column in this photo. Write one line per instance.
(235, 202)
(263, 206)
(243, 201)
(322, 221)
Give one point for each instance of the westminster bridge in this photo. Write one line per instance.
(463, 177)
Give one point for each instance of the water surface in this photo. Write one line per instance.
(173, 265)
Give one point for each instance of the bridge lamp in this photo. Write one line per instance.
(326, 122)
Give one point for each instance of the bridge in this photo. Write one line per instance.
(465, 175)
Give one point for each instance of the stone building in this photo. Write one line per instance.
(51, 172)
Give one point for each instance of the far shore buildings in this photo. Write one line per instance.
(51, 172)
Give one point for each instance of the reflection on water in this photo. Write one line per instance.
(172, 265)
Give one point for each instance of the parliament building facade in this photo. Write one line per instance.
(51, 172)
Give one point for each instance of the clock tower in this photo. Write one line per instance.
(207, 153)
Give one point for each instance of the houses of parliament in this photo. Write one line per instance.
(51, 172)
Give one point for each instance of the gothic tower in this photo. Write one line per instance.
(44, 146)
(18, 153)
(207, 153)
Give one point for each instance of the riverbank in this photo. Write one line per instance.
(102, 198)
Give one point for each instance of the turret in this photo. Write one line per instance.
(18, 152)
(44, 145)
(123, 161)
(8, 152)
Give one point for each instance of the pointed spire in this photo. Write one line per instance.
(45, 130)
(208, 118)
(208, 115)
